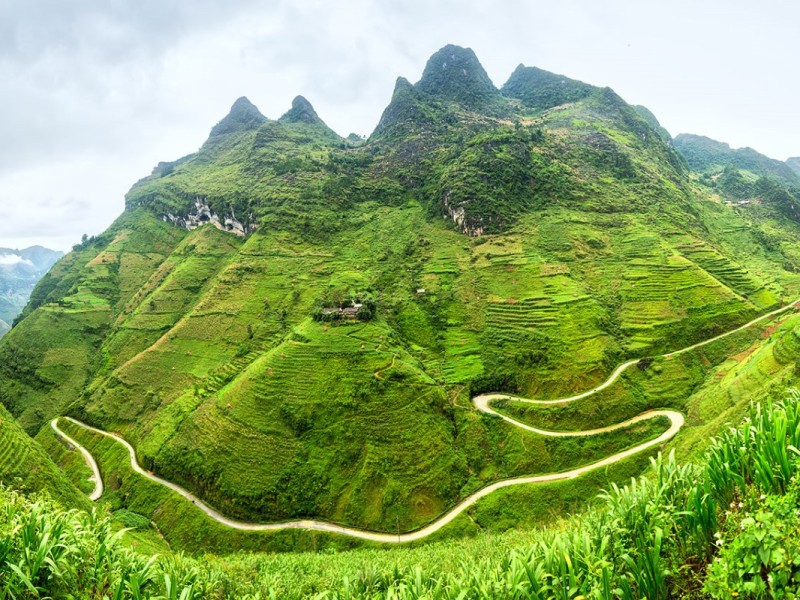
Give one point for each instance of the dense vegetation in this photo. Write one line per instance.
(744, 177)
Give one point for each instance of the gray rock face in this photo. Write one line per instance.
(458, 215)
(202, 215)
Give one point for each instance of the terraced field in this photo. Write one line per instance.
(13, 447)
(25, 466)
(785, 349)
(734, 276)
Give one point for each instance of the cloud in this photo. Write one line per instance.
(96, 93)
(13, 259)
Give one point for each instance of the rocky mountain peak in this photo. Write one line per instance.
(455, 73)
(301, 112)
(243, 116)
(539, 89)
(402, 107)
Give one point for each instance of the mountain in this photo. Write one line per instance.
(743, 176)
(243, 116)
(794, 163)
(292, 326)
(20, 270)
(706, 155)
(454, 73)
(539, 90)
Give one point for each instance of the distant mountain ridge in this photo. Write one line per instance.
(20, 271)
(705, 154)
(743, 175)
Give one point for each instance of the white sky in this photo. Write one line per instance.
(94, 94)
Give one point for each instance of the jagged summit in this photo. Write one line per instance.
(539, 89)
(402, 85)
(455, 73)
(301, 112)
(403, 106)
(243, 116)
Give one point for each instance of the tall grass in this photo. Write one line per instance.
(762, 450)
(46, 552)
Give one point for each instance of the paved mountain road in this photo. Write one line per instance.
(482, 403)
(97, 492)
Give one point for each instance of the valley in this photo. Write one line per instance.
(482, 403)
(464, 327)
(20, 270)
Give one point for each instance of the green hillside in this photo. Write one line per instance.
(517, 240)
(704, 154)
(744, 178)
(25, 466)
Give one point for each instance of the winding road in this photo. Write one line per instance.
(483, 404)
(97, 492)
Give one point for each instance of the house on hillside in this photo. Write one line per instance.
(355, 311)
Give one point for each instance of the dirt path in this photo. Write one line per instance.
(483, 404)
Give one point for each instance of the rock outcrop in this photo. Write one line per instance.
(203, 214)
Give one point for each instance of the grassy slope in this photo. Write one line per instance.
(25, 466)
(713, 385)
